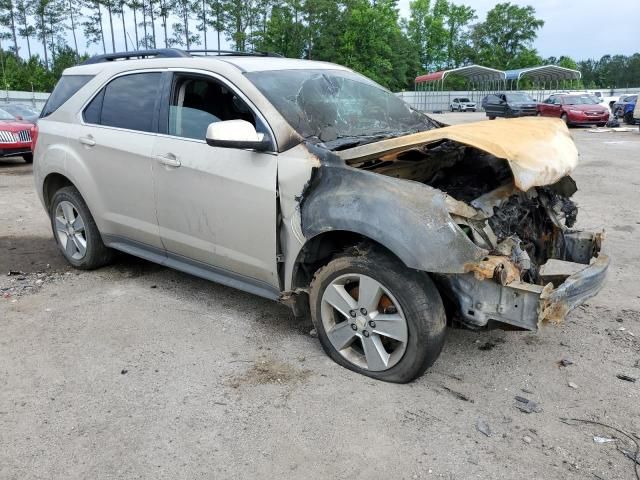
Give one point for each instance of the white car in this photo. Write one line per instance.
(462, 104)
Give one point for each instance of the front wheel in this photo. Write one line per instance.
(28, 157)
(492, 117)
(376, 317)
(76, 232)
(565, 119)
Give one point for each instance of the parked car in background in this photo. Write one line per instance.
(509, 105)
(21, 111)
(636, 113)
(15, 137)
(599, 96)
(618, 107)
(627, 114)
(462, 104)
(574, 110)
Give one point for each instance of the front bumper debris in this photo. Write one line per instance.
(521, 304)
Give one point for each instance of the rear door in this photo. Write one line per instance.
(216, 206)
(115, 141)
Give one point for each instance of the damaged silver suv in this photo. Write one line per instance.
(309, 184)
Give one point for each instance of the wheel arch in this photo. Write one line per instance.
(51, 184)
(320, 249)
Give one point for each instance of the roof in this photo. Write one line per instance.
(544, 72)
(472, 72)
(123, 61)
(261, 64)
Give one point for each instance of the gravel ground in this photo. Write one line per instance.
(137, 371)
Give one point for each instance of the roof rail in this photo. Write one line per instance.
(138, 54)
(235, 53)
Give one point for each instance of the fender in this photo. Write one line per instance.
(407, 217)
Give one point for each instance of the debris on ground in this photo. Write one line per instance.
(483, 427)
(626, 378)
(313, 333)
(573, 385)
(598, 439)
(458, 395)
(527, 439)
(565, 362)
(18, 283)
(527, 406)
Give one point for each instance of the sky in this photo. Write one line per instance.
(581, 29)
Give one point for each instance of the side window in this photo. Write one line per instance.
(126, 102)
(66, 88)
(197, 101)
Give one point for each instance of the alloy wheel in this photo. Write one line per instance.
(70, 230)
(364, 322)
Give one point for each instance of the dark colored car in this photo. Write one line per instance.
(575, 110)
(21, 112)
(618, 107)
(509, 105)
(627, 114)
(15, 137)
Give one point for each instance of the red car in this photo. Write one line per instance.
(574, 110)
(15, 137)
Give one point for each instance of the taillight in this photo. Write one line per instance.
(34, 137)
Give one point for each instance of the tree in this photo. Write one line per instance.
(182, 33)
(8, 20)
(24, 10)
(236, 18)
(283, 33)
(504, 40)
(92, 25)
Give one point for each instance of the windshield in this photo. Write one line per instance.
(520, 98)
(464, 100)
(335, 106)
(6, 115)
(575, 100)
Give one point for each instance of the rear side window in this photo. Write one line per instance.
(66, 88)
(126, 102)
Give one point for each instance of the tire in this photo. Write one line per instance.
(418, 320)
(451, 108)
(67, 204)
(28, 157)
(565, 119)
(602, 125)
(492, 117)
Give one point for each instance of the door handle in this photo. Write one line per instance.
(169, 159)
(88, 141)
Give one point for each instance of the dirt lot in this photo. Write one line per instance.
(136, 371)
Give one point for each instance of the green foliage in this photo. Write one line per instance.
(366, 35)
(504, 40)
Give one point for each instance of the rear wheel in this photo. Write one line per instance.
(76, 232)
(492, 117)
(376, 317)
(28, 157)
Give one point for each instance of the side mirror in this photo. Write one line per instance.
(236, 134)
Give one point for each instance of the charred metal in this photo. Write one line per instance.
(496, 232)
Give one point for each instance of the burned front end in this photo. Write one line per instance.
(512, 197)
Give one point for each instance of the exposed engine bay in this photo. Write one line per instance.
(531, 247)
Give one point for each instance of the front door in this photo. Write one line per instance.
(216, 206)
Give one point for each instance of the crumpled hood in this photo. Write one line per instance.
(540, 151)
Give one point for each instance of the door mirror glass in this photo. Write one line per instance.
(236, 134)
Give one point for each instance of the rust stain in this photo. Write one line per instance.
(498, 268)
